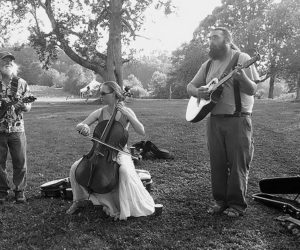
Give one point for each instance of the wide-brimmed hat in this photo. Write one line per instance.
(4, 54)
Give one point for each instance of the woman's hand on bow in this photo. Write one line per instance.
(83, 129)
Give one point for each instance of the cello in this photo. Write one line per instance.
(97, 171)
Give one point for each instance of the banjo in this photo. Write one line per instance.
(199, 108)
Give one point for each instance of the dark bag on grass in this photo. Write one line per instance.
(148, 150)
(57, 188)
(280, 185)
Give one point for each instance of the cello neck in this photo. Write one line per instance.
(109, 124)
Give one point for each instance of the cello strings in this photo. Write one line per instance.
(112, 147)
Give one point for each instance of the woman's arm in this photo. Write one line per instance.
(83, 127)
(133, 120)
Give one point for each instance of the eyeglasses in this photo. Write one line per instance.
(105, 93)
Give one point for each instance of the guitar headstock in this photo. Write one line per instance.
(29, 99)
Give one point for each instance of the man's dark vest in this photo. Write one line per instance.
(14, 85)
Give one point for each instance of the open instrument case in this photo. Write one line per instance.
(288, 201)
(62, 187)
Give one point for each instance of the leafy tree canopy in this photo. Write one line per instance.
(90, 32)
(262, 25)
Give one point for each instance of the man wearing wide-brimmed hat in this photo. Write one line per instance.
(12, 131)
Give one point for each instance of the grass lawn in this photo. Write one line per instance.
(182, 185)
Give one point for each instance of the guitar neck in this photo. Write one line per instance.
(6, 106)
(225, 78)
(245, 65)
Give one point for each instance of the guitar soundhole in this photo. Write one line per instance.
(207, 98)
(216, 95)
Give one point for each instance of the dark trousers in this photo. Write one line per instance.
(16, 144)
(230, 145)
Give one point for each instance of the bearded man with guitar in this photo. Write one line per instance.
(13, 91)
(229, 126)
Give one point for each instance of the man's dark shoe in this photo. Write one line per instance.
(3, 197)
(20, 197)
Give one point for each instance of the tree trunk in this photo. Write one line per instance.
(170, 92)
(272, 79)
(298, 88)
(114, 47)
(271, 88)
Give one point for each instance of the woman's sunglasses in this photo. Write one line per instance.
(104, 93)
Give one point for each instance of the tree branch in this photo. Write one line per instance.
(50, 14)
(93, 26)
(35, 16)
(71, 32)
(42, 5)
(64, 44)
(127, 24)
(101, 55)
(125, 60)
(76, 58)
(268, 75)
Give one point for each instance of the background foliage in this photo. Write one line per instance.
(271, 28)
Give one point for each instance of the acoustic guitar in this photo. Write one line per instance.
(199, 108)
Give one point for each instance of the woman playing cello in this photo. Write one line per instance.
(129, 198)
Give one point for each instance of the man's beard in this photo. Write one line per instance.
(217, 52)
(9, 70)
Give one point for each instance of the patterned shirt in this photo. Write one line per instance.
(12, 121)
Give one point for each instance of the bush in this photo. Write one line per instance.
(76, 79)
(179, 92)
(280, 88)
(48, 77)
